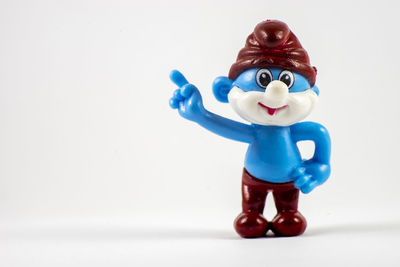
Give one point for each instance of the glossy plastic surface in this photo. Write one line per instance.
(273, 96)
(251, 223)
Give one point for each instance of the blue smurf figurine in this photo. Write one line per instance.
(272, 86)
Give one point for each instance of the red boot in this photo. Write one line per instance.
(251, 224)
(289, 223)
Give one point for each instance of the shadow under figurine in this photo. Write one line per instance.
(272, 86)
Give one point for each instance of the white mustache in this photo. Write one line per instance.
(300, 104)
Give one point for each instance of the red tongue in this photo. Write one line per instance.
(271, 111)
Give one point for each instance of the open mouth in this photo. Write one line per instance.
(271, 111)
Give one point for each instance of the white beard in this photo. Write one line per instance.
(298, 106)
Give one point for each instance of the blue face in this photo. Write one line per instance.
(258, 80)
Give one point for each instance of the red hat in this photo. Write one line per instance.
(272, 44)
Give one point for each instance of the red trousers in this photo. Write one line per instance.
(251, 223)
(254, 193)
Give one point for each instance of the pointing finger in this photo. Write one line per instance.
(178, 78)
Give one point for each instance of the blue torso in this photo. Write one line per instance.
(272, 155)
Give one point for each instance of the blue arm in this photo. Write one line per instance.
(187, 99)
(225, 127)
(318, 134)
(316, 170)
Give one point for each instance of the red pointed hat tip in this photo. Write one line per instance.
(271, 33)
(272, 44)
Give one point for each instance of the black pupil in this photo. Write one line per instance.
(264, 79)
(286, 79)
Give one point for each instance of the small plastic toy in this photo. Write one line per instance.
(272, 86)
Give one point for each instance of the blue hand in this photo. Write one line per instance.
(311, 175)
(187, 98)
(302, 180)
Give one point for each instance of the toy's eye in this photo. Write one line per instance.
(287, 77)
(263, 78)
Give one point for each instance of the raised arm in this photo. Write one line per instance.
(316, 170)
(187, 99)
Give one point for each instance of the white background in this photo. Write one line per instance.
(97, 170)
